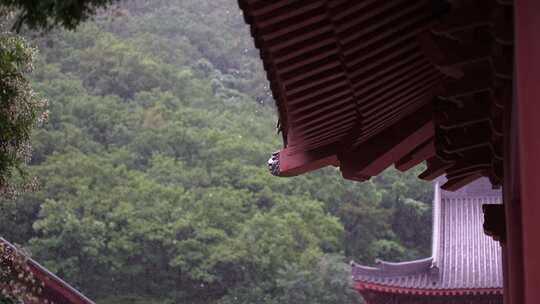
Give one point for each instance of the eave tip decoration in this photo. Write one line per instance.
(273, 164)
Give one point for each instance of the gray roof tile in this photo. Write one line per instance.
(463, 257)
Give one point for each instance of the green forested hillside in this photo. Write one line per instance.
(154, 187)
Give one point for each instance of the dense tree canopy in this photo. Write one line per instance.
(44, 14)
(153, 180)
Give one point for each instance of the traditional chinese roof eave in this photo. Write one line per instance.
(366, 84)
(364, 286)
(385, 268)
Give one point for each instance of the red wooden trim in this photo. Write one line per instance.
(362, 286)
(55, 288)
(435, 168)
(527, 23)
(296, 163)
(378, 153)
(423, 152)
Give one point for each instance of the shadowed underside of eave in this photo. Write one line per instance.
(364, 84)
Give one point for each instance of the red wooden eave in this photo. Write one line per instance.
(54, 288)
(367, 84)
(362, 287)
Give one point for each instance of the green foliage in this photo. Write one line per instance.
(410, 202)
(20, 110)
(153, 180)
(327, 280)
(45, 14)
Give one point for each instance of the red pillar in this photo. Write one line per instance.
(512, 245)
(527, 84)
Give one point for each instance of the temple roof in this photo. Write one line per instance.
(55, 289)
(464, 260)
(365, 84)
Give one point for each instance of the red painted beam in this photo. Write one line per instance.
(527, 50)
(435, 168)
(55, 289)
(420, 154)
(373, 156)
(296, 163)
(455, 184)
(365, 287)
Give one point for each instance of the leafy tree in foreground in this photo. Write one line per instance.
(17, 282)
(20, 109)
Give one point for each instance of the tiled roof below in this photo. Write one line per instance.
(414, 274)
(464, 260)
(470, 258)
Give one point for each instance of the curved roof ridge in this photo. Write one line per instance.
(437, 221)
(386, 269)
